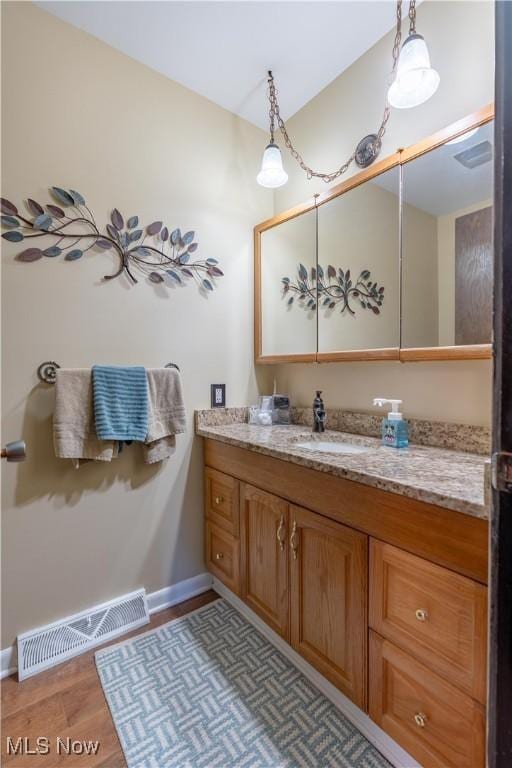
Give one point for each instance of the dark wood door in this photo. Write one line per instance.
(264, 556)
(500, 674)
(328, 595)
(473, 277)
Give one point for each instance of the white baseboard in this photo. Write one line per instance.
(157, 601)
(8, 661)
(375, 735)
(177, 593)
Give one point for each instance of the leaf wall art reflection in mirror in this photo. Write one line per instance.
(336, 289)
(153, 250)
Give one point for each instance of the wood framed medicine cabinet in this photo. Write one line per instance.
(416, 228)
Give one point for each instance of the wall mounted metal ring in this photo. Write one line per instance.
(47, 372)
(367, 150)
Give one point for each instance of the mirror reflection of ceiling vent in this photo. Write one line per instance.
(476, 155)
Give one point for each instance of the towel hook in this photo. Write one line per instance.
(47, 371)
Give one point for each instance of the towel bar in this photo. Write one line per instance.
(47, 371)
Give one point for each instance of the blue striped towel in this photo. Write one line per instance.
(120, 402)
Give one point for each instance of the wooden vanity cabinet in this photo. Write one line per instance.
(264, 556)
(385, 596)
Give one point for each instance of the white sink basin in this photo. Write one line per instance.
(323, 446)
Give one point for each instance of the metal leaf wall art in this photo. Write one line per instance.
(153, 250)
(337, 289)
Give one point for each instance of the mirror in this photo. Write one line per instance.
(447, 243)
(288, 288)
(359, 271)
(393, 263)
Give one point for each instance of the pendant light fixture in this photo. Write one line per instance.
(414, 81)
(272, 173)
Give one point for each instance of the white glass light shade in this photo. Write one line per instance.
(463, 136)
(272, 173)
(415, 80)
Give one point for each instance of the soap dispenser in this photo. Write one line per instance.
(395, 431)
(319, 414)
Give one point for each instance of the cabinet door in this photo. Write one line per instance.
(328, 569)
(264, 556)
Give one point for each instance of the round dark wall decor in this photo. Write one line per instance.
(368, 150)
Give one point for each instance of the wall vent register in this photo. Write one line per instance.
(48, 646)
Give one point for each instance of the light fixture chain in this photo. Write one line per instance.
(275, 115)
(395, 54)
(412, 17)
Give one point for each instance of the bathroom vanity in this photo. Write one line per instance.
(371, 565)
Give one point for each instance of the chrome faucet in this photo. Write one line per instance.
(319, 414)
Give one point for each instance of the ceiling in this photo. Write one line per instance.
(222, 50)
(437, 184)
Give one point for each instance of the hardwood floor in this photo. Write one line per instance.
(67, 701)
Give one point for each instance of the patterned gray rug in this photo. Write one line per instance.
(209, 691)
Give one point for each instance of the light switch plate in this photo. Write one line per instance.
(218, 395)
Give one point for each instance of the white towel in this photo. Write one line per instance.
(166, 413)
(74, 434)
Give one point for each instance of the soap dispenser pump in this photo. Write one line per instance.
(395, 431)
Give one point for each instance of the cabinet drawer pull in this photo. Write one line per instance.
(421, 614)
(219, 556)
(420, 719)
(219, 500)
(294, 542)
(281, 534)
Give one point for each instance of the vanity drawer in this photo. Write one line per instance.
(436, 723)
(436, 615)
(223, 556)
(222, 500)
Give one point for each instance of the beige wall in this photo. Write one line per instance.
(460, 37)
(455, 392)
(78, 114)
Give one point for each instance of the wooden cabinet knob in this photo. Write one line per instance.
(421, 614)
(420, 719)
(219, 499)
(219, 556)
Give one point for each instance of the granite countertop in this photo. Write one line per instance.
(447, 478)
